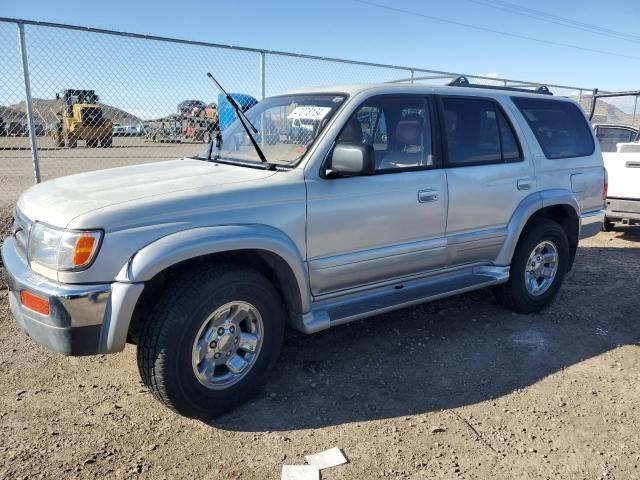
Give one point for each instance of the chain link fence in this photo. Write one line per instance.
(75, 99)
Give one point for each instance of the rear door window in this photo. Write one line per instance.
(477, 132)
(560, 128)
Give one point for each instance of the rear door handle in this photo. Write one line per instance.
(426, 196)
(525, 183)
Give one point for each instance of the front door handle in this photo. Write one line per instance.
(426, 196)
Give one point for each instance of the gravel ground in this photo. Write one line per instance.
(459, 388)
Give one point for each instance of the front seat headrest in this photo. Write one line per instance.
(409, 132)
(352, 132)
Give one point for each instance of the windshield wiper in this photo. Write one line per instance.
(242, 118)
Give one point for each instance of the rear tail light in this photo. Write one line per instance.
(605, 189)
(34, 302)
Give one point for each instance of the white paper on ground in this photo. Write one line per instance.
(327, 459)
(300, 472)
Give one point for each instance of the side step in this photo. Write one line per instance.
(347, 308)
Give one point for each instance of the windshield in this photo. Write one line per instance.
(286, 126)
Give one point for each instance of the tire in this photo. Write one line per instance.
(515, 294)
(71, 141)
(58, 136)
(168, 339)
(106, 142)
(92, 143)
(608, 225)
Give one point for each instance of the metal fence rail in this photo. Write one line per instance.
(74, 99)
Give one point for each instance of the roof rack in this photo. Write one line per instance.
(463, 81)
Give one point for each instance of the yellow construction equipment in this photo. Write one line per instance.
(81, 119)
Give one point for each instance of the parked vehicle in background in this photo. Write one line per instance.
(16, 129)
(3, 128)
(39, 129)
(620, 146)
(400, 194)
(609, 135)
(81, 119)
(191, 107)
(127, 130)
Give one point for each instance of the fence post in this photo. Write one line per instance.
(29, 104)
(262, 76)
(413, 75)
(635, 107)
(580, 99)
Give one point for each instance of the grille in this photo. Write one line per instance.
(92, 115)
(20, 232)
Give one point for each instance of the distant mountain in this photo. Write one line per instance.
(607, 112)
(45, 113)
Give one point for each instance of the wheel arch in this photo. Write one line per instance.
(263, 248)
(557, 205)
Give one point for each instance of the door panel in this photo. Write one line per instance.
(366, 229)
(481, 202)
(488, 175)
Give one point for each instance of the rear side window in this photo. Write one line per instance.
(477, 132)
(561, 129)
(609, 137)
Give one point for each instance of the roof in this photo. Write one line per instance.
(380, 88)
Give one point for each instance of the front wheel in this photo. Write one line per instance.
(538, 268)
(211, 340)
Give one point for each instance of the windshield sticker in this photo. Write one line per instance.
(309, 112)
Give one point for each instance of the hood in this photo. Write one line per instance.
(57, 202)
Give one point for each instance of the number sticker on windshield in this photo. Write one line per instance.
(309, 112)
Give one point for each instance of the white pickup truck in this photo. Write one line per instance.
(623, 197)
(620, 145)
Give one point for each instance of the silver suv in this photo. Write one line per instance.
(390, 195)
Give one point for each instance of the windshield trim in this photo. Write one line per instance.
(292, 165)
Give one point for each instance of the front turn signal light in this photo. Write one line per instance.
(83, 250)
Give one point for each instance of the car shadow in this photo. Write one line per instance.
(444, 354)
(628, 232)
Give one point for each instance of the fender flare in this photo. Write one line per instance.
(525, 210)
(196, 242)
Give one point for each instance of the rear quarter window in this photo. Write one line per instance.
(559, 126)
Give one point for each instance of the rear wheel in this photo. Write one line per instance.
(608, 225)
(211, 340)
(106, 142)
(92, 143)
(537, 269)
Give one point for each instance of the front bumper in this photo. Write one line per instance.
(591, 223)
(82, 320)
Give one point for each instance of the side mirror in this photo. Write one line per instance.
(350, 159)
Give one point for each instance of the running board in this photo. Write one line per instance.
(350, 307)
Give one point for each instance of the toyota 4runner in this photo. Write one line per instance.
(398, 194)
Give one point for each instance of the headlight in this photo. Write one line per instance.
(62, 249)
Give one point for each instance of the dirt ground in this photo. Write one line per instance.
(459, 388)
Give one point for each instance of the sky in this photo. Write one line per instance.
(578, 43)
